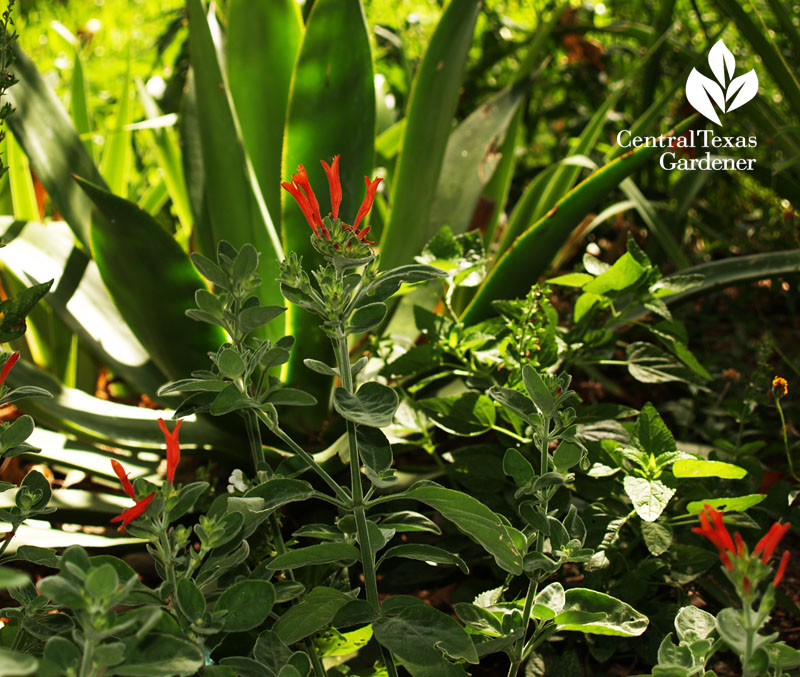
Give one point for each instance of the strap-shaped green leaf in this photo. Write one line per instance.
(331, 112)
(425, 553)
(52, 145)
(153, 305)
(431, 107)
(320, 553)
(261, 47)
(236, 208)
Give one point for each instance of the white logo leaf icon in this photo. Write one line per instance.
(720, 58)
(698, 90)
(745, 87)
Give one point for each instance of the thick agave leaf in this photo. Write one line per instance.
(43, 251)
(90, 418)
(430, 115)
(46, 134)
(334, 57)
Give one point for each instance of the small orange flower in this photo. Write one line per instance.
(335, 184)
(301, 190)
(717, 534)
(780, 386)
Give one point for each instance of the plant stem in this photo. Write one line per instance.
(749, 631)
(341, 494)
(533, 584)
(166, 554)
(7, 538)
(17, 637)
(260, 464)
(526, 614)
(254, 438)
(357, 490)
(319, 668)
(783, 435)
(86, 661)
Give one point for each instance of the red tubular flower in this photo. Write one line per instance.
(366, 205)
(131, 514)
(717, 534)
(781, 569)
(10, 362)
(173, 447)
(127, 487)
(335, 184)
(746, 583)
(724, 536)
(769, 542)
(739, 544)
(301, 191)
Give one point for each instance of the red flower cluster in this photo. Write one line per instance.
(301, 190)
(10, 362)
(713, 528)
(173, 458)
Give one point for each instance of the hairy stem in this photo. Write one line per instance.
(357, 490)
(359, 509)
(86, 661)
(7, 538)
(533, 585)
(257, 451)
(254, 438)
(785, 440)
(341, 494)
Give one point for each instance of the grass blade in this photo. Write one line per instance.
(168, 156)
(736, 270)
(115, 164)
(90, 418)
(470, 160)
(80, 299)
(770, 55)
(23, 195)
